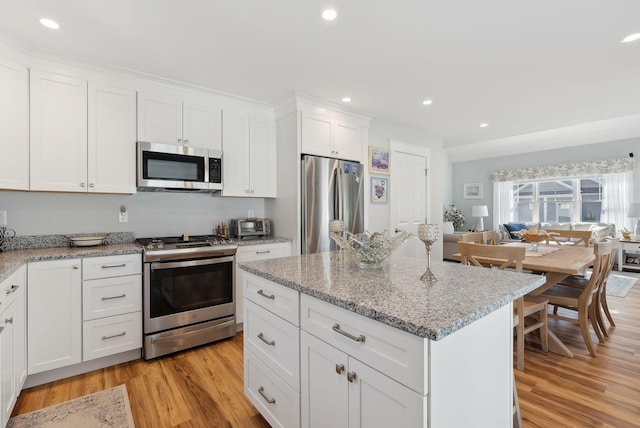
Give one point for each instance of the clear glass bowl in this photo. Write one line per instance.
(370, 250)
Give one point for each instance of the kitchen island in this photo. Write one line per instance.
(328, 344)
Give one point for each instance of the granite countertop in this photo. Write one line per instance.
(10, 261)
(394, 295)
(261, 241)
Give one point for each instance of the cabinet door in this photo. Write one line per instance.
(323, 384)
(262, 157)
(8, 390)
(347, 139)
(112, 139)
(235, 157)
(202, 125)
(377, 401)
(14, 125)
(316, 135)
(159, 118)
(54, 315)
(58, 133)
(19, 279)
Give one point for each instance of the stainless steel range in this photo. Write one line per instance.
(188, 292)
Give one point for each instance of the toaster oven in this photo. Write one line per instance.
(249, 227)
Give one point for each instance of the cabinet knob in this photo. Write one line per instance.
(339, 368)
(246, 191)
(13, 288)
(92, 184)
(76, 267)
(351, 376)
(186, 142)
(180, 141)
(8, 320)
(252, 192)
(83, 184)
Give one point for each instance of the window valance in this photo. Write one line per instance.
(580, 169)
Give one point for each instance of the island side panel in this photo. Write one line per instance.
(471, 374)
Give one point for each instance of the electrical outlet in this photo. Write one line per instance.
(3, 218)
(123, 214)
(250, 214)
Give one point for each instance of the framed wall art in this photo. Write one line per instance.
(472, 191)
(379, 160)
(379, 190)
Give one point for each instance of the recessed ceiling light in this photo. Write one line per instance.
(329, 14)
(49, 23)
(427, 102)
(631, 38)
(346, 100)
(484, 125)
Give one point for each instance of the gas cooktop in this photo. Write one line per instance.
(183, 247)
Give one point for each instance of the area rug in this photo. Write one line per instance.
(104, 409)
(619, 286)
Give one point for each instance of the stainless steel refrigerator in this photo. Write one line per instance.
(331, 189)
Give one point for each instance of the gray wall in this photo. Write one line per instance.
(150, 213)
(479, 171)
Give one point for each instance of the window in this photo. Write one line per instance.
(559, 201)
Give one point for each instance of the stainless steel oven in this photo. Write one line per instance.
(188, 293)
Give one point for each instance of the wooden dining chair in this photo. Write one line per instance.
(471, 237)
(600, 302)
(581, 299)
(570, 237)
(489, 237)
(524, 307)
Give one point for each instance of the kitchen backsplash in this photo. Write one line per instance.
(51, 241)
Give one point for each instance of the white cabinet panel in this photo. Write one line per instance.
(327, 135)
(8, 391)
(235, 143)
(54, 298)
(112, 139)
(262, 157)
(159, 118)
(58, 146)
(111, 296)
(14, 125)
(110, 266)
(202, 125)
(282, 301)
(112, 335)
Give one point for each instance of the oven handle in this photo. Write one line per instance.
(190, 263)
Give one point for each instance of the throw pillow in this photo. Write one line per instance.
(515, 227)
(448, 227)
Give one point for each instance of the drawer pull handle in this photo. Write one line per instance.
(114, 266)
(339, 368)
(114, 297)
(268, 296)
(336, 328)
(263, 252)
(267, 399)
(115, 335)
(8, 320)
(268, 342)
(351, 376)
(13, 289)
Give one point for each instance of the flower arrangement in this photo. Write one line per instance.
(455, 216)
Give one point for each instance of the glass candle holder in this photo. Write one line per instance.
(428, 233)
(336, 228)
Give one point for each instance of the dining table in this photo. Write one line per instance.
(555, 262)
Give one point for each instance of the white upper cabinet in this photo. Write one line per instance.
(14, 125)
(171, 119)
(58, 132)
(82, 135)
(249, 153)
(112, 136)
(329, 135)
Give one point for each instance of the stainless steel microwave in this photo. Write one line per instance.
(171, 167)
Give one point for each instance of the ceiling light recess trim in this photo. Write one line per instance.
(346, 99)
(631, 38)
(329, 14)
(427, 102)
(484, 125)
(49, 23)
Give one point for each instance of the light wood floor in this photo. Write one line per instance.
(203, 387)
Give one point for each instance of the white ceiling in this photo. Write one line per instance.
(523, 67)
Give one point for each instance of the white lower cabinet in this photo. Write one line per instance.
(54, 314)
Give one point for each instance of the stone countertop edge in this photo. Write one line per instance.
(10, 261)
(261, 241)
(435, 320)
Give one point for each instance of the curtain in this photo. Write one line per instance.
(616, 198)
(582, 169)
(502, 203)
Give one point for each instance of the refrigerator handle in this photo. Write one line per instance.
(339, 196)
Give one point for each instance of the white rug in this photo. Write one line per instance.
(618, 285)
(104, 409)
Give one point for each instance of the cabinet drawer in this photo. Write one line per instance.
(10, 286)
(111, 296)
(263, 252)
(278, 403)
(398, 354)
(273, 340)
(107, 336)
(110, 266)
(276, 298)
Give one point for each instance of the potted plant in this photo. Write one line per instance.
(455, 216)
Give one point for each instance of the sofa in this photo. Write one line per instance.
(599, 231)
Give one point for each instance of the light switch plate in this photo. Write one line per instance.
(3, 218)
(123, 214)
(250, 214)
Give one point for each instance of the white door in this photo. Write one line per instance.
(408, 194)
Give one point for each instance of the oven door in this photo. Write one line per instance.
(181, 293)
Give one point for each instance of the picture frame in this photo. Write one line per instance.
(379, 160)
(379, 190)
(472, 191)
